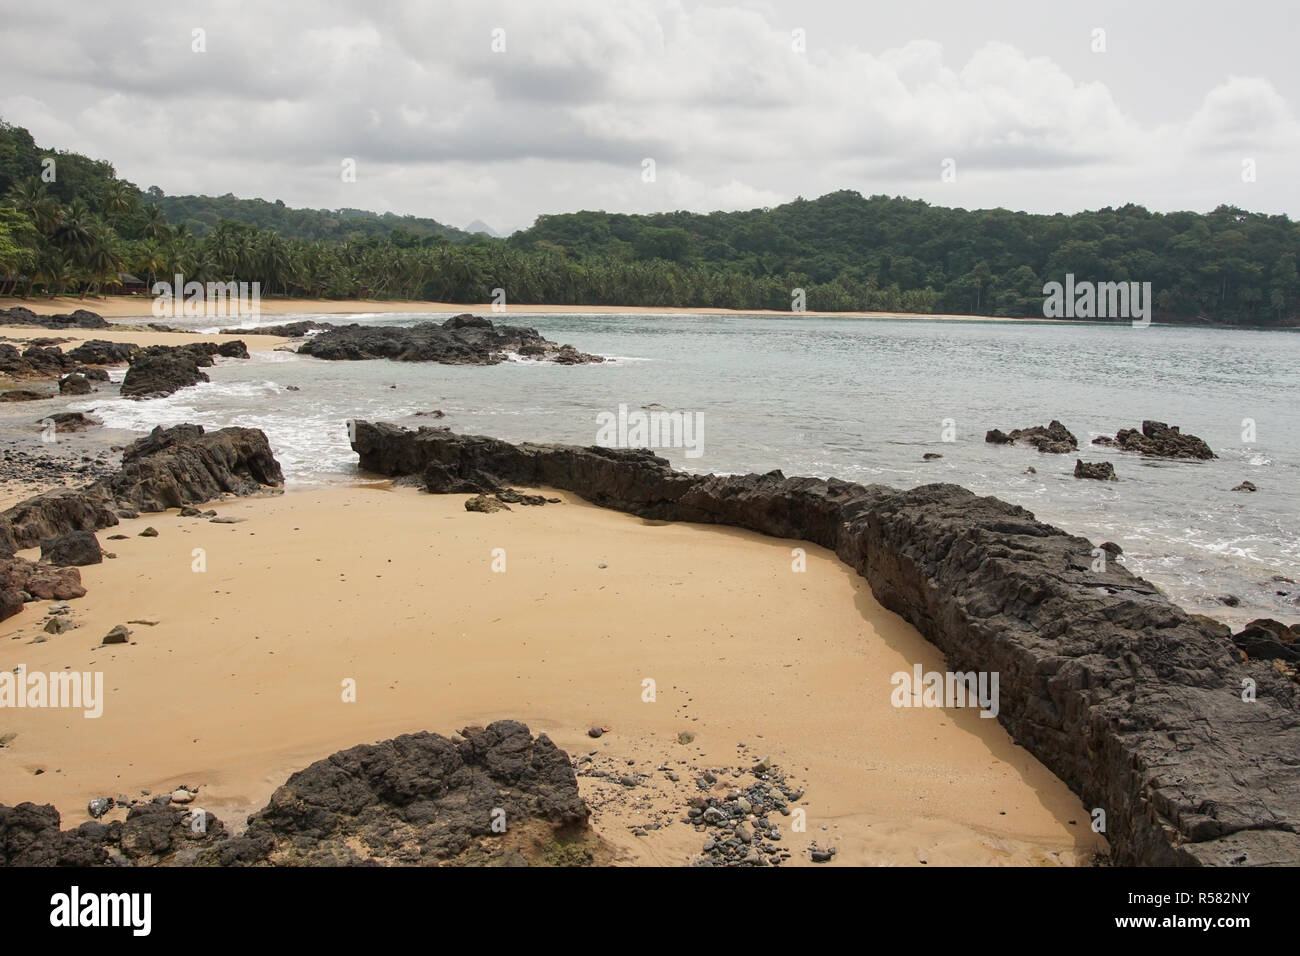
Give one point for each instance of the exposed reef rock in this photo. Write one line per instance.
(1098, 470)
(290, 330)
(1055, 438)
(461, 340)
(101, 352)
(498, 796)
(1158, 440)
(1136, 704)
(80, 319)
(169, 468)
(160, 370)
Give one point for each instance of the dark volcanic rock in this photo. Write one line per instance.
(1055, 438)
(1100, 470)
(236, 349)
(160, 374)
(461, 340)
(69, 421)
(1134, 703)
(1266, 639)
(169, 468)
(80, 319)
(1158, 440)
(418, 799)
(153, 834)
(183, 465)
(74, 384)
(57, 512)
(22, 395)
(74, 549)
(290, 330)
(101, 352)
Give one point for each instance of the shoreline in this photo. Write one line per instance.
(308, 589)
(1105, 680)
(138, 307)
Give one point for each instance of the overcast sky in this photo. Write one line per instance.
(733, 115)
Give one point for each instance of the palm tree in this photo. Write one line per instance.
(118, 200)
(74, 233)
(155, 224)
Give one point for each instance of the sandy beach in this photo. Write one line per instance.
(20, 334)
(138, 307)
(237, 683)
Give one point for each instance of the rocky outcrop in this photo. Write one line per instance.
(495, 796)
(1269, 640)
(160, 370)
(57, 512)
(69, 422)
(1134, 703)
(102, 352)
(1097, 470)
(160, 374)
(183, 465)
(289, 330)
(74, 549)
(1158, 440)
(41, 581)
(1054, 439)
(461, 340)
(170, 468)
(153, 834)
(74, 384)
(80, 319)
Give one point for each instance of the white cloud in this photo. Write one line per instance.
(733, 116)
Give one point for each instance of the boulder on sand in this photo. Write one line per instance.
(497, 796)
(74, 549)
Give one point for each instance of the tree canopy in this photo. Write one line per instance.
(80, 228)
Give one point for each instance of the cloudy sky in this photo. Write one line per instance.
(503, 109)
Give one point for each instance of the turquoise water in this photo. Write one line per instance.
(863, 399)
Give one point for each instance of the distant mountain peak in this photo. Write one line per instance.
(478, 225)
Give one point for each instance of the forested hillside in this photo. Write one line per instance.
(848, 253)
